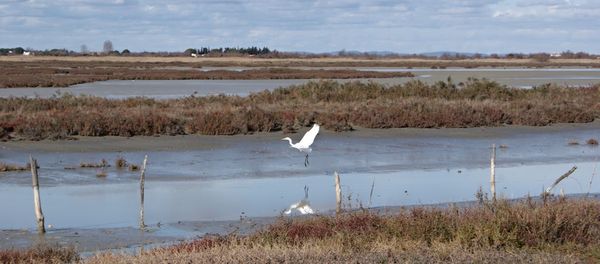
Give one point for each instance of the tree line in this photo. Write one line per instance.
(231, 50)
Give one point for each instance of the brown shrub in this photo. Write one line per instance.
(336, 106)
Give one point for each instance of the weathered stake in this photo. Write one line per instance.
(36, 196)
(567, 174)
(338, 194)
(493, 173)
(142, 176)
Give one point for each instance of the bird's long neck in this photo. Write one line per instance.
(289, 140)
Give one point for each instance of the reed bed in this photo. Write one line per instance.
(337, 106)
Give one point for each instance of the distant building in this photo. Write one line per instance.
(555, 55)
(27, 53)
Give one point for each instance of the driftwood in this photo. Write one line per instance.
(567, 174)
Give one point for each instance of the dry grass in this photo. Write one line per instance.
(102, 164)
(4, 167)
(101, 174)
(39, 255)
(120, 163)
(336, 106)
(557, 231)
(133, 167)
(65, 73)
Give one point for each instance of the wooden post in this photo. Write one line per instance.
(142, 176)
(338, 194)
(493, 173)
(36, 196)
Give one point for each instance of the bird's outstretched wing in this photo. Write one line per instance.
(309, 137)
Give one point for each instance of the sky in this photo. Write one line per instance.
(402, 26)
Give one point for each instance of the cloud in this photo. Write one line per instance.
(305, 25)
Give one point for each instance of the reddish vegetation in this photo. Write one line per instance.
(554, 230)
(538, 232)
(62, 73)
(337, 106)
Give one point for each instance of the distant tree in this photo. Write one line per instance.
(84, 49)
(125, 52)
(189, 51)
(107, 47)
(19, 50)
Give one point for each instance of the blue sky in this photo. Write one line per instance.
(305, 25)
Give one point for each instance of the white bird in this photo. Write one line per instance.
(303, 206)
(305, 142)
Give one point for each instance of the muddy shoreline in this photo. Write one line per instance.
(203, 142)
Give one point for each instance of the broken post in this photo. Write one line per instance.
(36, 196)
(493, 173)
(338, 194)
(142, 176)
(560, 179)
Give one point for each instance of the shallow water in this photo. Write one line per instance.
(163, 89)
(260, 176)
(117, 205)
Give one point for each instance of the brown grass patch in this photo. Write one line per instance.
(336, 106)
(101, 174)
(67, 73)
(39, 255)
(102, 164)
(4, 167)
(120, 163)
(133, 167)
(555, 231)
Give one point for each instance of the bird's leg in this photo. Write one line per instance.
(306, 161)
